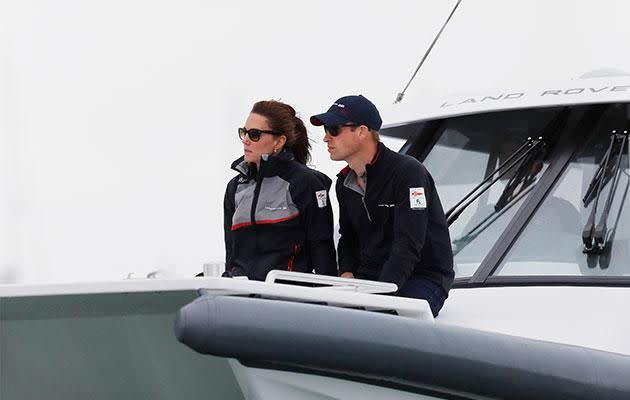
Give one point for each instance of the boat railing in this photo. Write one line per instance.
(331, 282)
(331, 291)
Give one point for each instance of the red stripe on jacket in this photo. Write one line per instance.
(265, 221)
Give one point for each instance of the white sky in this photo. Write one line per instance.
(118, 118)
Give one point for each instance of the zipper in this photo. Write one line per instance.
(366, 209)
(255, 199)
(364, 178)
(355, 187)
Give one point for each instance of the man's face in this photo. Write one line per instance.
(342, 140)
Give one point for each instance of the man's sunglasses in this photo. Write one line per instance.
(254, 134)
(336, 129)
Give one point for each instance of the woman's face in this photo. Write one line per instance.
(266, 145)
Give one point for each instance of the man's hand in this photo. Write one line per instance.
(347, 275)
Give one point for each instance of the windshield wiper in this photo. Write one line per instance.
(527, 172)
(602, 176)
(594, 236)
(525, 175)
(460, 243)
(515, 158)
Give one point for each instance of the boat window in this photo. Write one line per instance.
(470, 148)
(552, 243)
(393, 142)
(104, 346)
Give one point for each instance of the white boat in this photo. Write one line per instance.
(534, 265)
(533, 312)
(538, 308)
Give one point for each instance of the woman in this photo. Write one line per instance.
(277, 213)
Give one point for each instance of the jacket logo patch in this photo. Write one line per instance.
(321, 198)
(386, 205)
(417, 200)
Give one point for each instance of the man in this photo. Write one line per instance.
(391, 221)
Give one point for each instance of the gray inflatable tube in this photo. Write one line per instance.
(401, 352)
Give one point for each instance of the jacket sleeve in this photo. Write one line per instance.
(412, 193)
(318, 222)
(347, 248)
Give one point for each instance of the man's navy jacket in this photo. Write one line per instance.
(396, 230)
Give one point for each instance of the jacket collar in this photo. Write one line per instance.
(270, 165)
(379, 163)
(375, 167)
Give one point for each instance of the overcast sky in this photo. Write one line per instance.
(118, 119)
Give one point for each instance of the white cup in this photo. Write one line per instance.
(214, 269)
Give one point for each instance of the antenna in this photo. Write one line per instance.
(400, 95)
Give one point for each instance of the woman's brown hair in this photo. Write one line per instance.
(281, 117)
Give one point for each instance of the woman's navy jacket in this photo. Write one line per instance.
(278, 217)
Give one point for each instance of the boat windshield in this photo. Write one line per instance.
(533, 192)
(470, 148)
(552, 242)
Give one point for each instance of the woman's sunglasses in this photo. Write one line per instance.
(254, 134)
(336, 129)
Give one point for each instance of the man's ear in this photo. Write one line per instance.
(364, 132)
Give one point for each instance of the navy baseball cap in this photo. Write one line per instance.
(348, 109)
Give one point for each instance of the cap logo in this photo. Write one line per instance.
(339, 105)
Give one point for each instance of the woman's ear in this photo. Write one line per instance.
(282, 140)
